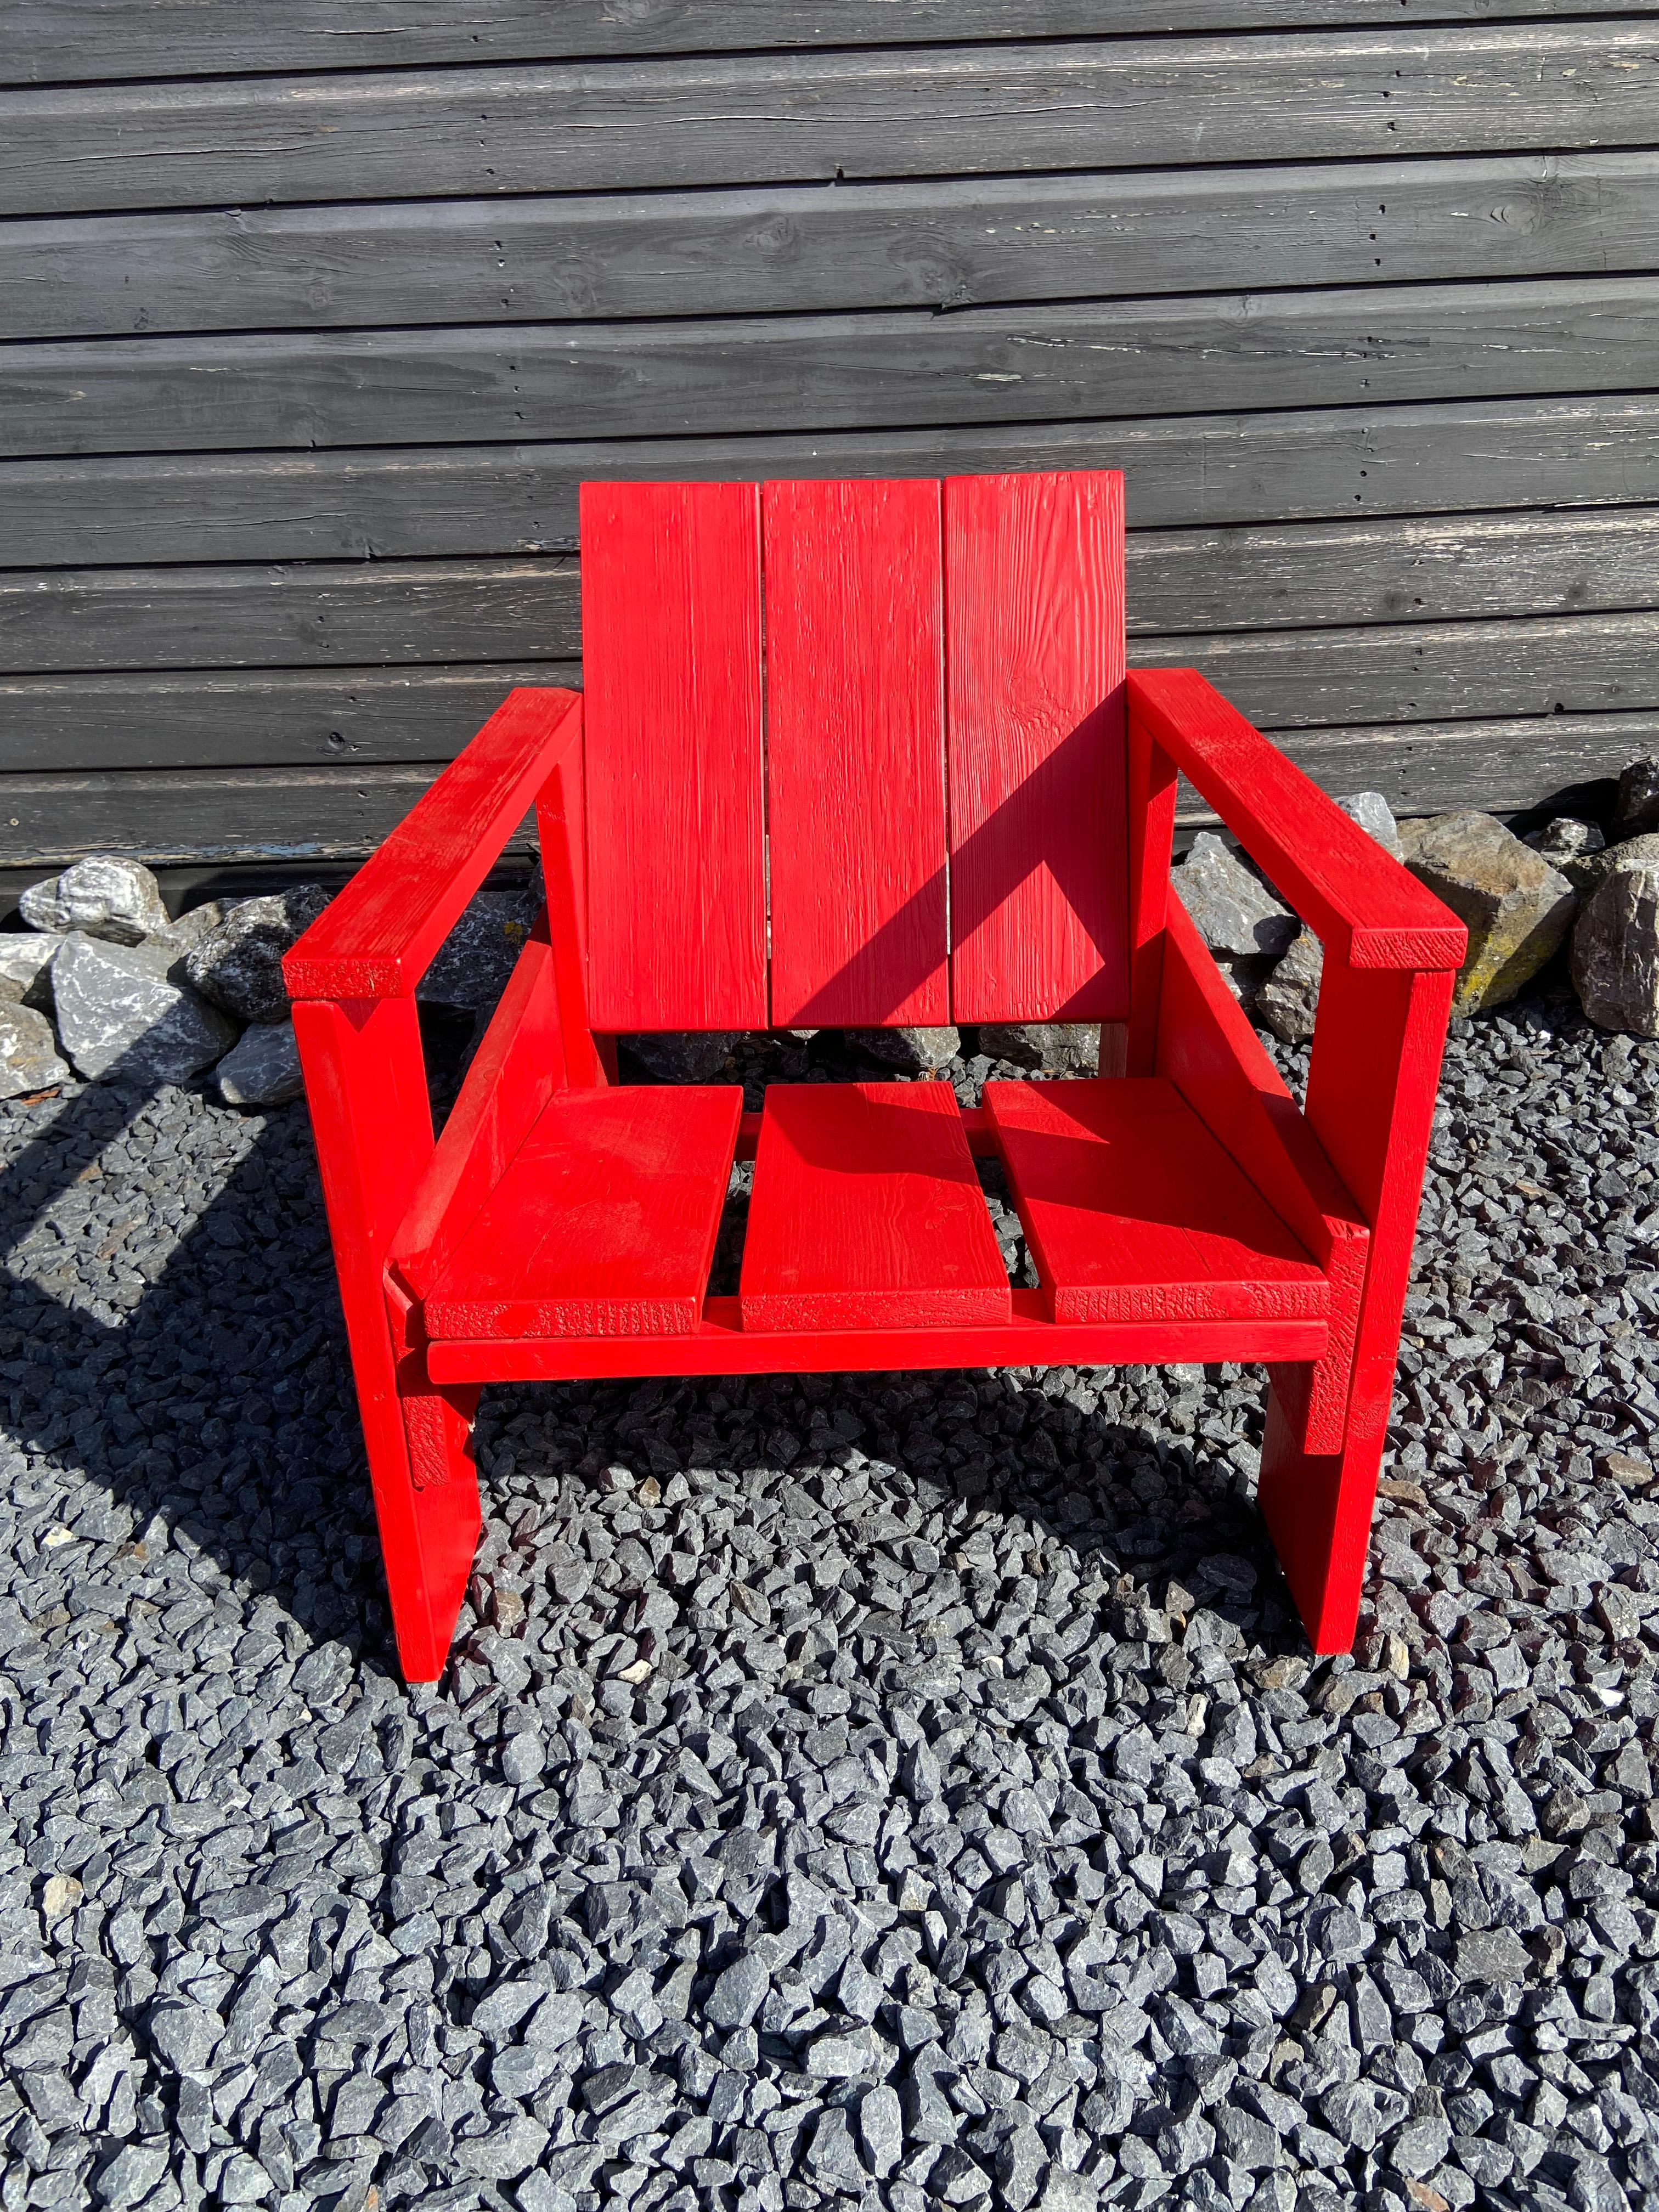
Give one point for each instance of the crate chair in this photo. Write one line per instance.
(854, 754)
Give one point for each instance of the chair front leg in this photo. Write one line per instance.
(366, 1087)
(1371, 1088)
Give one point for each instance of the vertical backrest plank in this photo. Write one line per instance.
(1035, 689)
(855, 753)
(671, 673)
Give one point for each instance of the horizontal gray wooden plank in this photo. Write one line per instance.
(1498, 765)
(628, 125)
(1421, 671)
(820, 248)
(326, 614)
(184, 816)
(252, 718)
(1404, 672)
(1426, 569)
(73, 41)
(181, 816)
(794, 372)
(475, 501)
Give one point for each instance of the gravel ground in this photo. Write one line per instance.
(910, 1790)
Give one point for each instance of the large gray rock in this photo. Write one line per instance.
(25, 958)
(102, 895)
(262, 1068)
(1517, 908)
(1234, 911)
(123, 1011)
(1573, 849)
(1288, 1001)
(28, 1053)
(1637, 811)
(1051, 1048)
(477, 957)
(916, 1051)
(237, 964)
(1375, 817)
(1615, 943)
(681, 1055)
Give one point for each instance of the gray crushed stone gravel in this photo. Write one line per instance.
(899, 1790)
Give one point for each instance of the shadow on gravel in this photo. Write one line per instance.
(218, 1396)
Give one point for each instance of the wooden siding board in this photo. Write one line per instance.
(1558, 666)
(259, 717)
(955, 243)
(321, 614)
(68, 42)
(1600, 450)
(179, 815)
(1354, 345)
(767, 119)
(407, 613)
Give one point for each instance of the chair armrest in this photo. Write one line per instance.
(380, 936)
(1365, 909)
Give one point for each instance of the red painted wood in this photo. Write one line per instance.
(1364, 907)
(561, 825)
(1034, 722)
(381, 933)
(366, 1088)
(1370, 1100)
(721, 1345)
(855, 753)
(1134, 1212)
(1153, 784)
(671, 672)
(515, 1071)
(1208, 1050)
(604, 1223)
(866, 1214)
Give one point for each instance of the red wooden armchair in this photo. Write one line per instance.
(859, 754)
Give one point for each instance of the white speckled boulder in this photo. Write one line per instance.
(28, 1053)
(122, 1013)
(99, 897)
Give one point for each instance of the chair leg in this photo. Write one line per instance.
(426, 1501)
(1318, 1511)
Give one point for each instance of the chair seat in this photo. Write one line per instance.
(604, 1223)
(867, 1213)
(1134, 1211)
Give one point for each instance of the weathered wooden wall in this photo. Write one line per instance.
(314, 314)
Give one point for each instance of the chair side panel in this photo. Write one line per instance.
(1038, 774)
(855, 753)
(671, 673)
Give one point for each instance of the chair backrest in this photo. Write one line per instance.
(855, 752)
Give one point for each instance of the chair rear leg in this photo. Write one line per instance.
(426, 1502)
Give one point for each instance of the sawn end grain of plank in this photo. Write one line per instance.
(867, 1213)
(1134, 1211)
(1035, 718)
(855, 752)
(604, 1223)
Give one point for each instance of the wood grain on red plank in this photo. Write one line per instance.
(855, 753)
(867, 1212)
(671, 673)
(1035, 715)
(1134, 1211)
(1357, 898)
(604, 1223)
